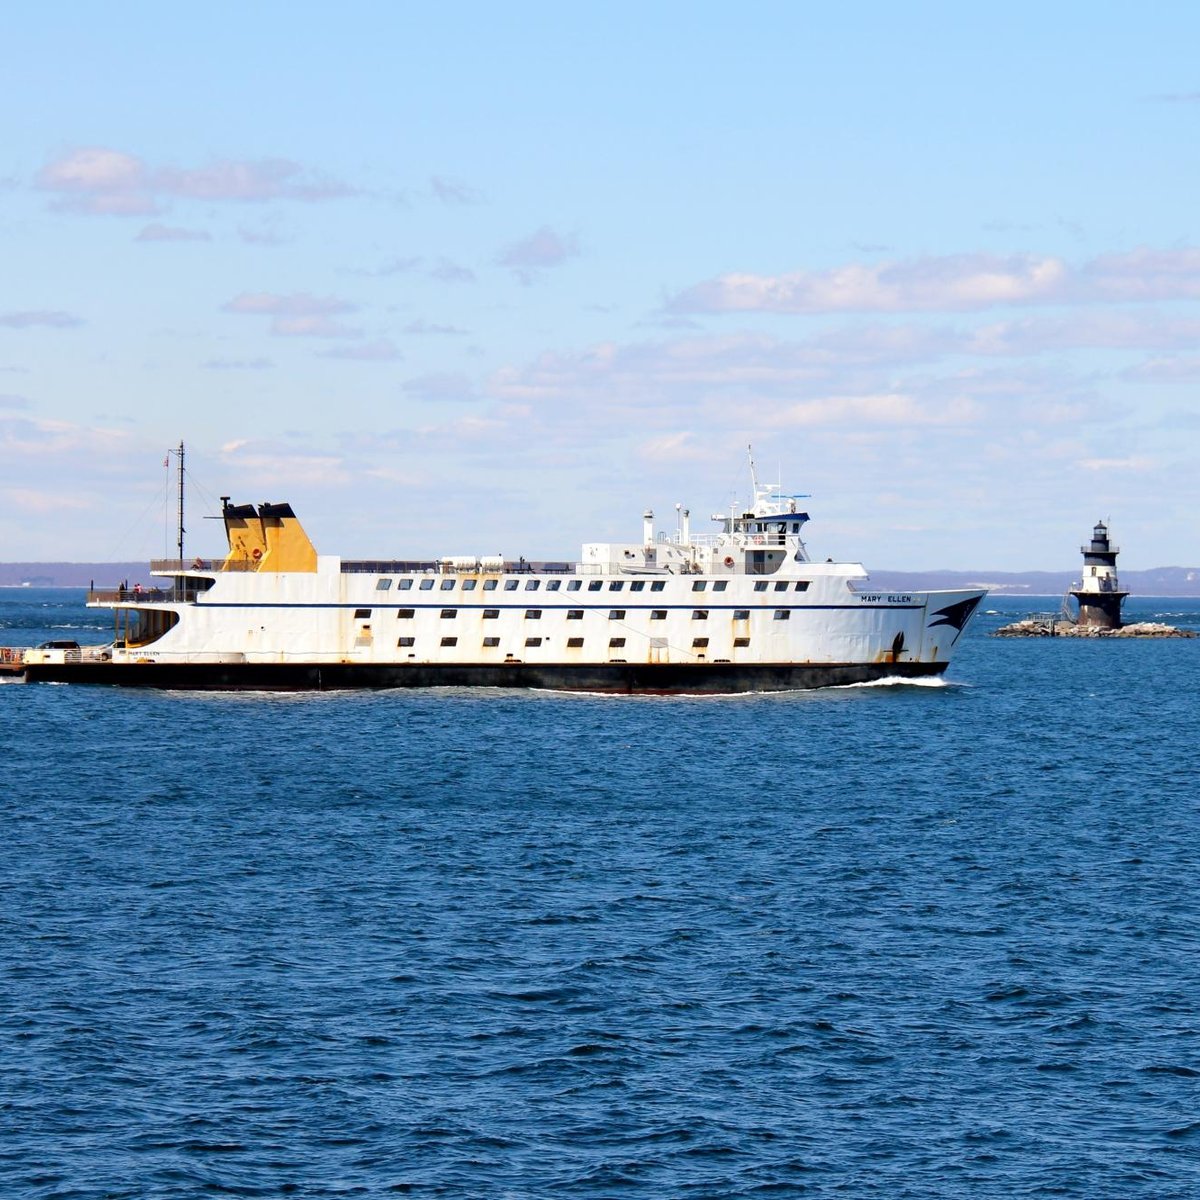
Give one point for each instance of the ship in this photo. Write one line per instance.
(741, 609)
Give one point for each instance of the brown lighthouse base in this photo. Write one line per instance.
(1100, 610)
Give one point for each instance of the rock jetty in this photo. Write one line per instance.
(1050, 627)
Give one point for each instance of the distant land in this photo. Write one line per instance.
(1158, 581)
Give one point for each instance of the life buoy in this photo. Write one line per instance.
(256, 554)
(729, 560)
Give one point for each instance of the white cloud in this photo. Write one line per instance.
(298, 304)
(99, 181)
(50, 319)
(157, 232)
(380, 350)
(952, 283)
(1131, 463)
(542, 249)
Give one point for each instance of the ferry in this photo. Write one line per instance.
(743, 608)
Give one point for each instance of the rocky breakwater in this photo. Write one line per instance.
(1050, 627)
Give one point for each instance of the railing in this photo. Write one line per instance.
(141, 595)
(175, 566)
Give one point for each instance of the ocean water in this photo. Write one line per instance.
(900, 941)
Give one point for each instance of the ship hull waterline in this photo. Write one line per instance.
(618, 678)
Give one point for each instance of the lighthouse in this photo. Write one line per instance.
(1099, 592)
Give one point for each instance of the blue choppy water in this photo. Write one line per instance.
(902, 941)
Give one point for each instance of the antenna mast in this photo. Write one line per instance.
(753, 471)
(179, 526)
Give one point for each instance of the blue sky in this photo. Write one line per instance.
(494, 279)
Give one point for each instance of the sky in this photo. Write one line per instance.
(482, 278)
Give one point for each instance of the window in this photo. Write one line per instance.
(761, 585)
(638, 585)
(426, 585)
(615, 643)
(449, 641)
(489, 585)
(573, 585)
(781, 587)
(532, 585)
(616, 585)
(658, 585)
(447, 585)
(362, 614)
(699, 643)
(510, 585)
(574, 614)
(406, 641)
(720, 585)
(552, 585)
(741, 614)
(574, 643)
(699, 614)
(782, 614)
(448, 613)
(795, 526)
(404, 585)
(490, 614)
(699, 585)
(533, 614)
(405, 614)
(658, 614)
(469, 585)
(616, 614)
(802, 586)
(383, 585)
(595, 585)
(740, 643)
(491, 641)
(535, 641)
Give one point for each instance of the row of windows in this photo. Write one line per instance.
(574, 585)
(576, 614)
(575, 643)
